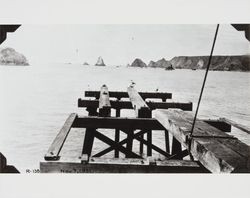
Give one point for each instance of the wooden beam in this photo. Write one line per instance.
(141, 111)
(117, 123)
(118, 165)
(104, 103)
(110, 142)
(124, 141)
(216, 150)
(56, 146)
(119, 94)
(186, 106)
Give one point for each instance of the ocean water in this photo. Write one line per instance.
(35, 101)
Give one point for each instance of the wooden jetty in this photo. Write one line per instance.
(212, 148)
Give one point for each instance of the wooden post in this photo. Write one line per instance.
(89, 137)
(88, 141)
(142, 111)
(130, 142)
(166, 140)
(176, 148)
(117, 132)
(104, 103)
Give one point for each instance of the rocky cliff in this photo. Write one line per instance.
(8, 56)
(138, 63)
(162, 63)
(219, 63)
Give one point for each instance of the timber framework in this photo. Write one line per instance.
(132, 148)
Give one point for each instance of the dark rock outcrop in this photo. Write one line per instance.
(162, 63)
(8, 56)
(100, 62)
(219, 63)
(138, 63)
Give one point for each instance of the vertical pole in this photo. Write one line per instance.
(89, 135)
(166, 140)
(130, 142)
(141, 145)
(117, 132)
(176, 148)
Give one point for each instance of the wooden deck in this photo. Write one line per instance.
(214, 149)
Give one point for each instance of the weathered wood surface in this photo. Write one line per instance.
(56, 146)
(139, 105)
(120, 94)
(216, 150)
(141, 111)
(119, 123)
(236, 125)
(186, 106)
(104, 103)
(118, 165)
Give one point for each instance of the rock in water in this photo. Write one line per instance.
(162, 63)
(138, 63)
(85, 63)
(8, 56)
(100, 62)
(151, 64)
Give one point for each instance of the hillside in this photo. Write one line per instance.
(219, 63)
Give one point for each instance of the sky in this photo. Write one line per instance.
(121, 44)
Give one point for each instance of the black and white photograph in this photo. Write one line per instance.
(124, 98)
(131, 100)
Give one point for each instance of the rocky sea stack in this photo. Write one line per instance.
(100, 62)
(85, 63)
(8, 56)
(162, 63)
(138, 63)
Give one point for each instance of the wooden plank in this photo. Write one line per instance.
(117, 123)
(120, 94)
(236, 125)
(139, 105)
(104, 103)
(118, 165)
(56, 146)
(186, 106)
(212, 147)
